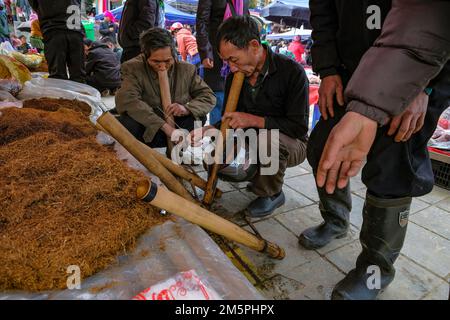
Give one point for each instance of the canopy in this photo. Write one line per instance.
(292, 13)
(172, 15)
(304, 33)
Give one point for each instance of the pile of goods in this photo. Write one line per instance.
(66, 200)
(441, 136)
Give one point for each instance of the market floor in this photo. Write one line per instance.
(423, 268)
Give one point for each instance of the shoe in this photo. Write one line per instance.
(335, 210)
(382, 235)
(264, 206)
(105, 93)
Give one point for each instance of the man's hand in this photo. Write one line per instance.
(329, 87)
(242, 120)
(177, 110)
(346, 148)
(196, 135)
(208, 63)
(411, 120)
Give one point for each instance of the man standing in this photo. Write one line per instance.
(210, 14)
(397, 83)
(63, 33)
(274, 96)
(4, 28)
(137, 17)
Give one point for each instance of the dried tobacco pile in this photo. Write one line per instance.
(64, 200)
(49, 104)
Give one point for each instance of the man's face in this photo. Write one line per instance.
(161, 59)
(244, 60)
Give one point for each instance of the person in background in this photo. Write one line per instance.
(187, 46)
(4, 28)
(210, 14)
(63, 38)
(36, 38)
(296, 47)
(137, 17)
(24, 45)
(109, 27)
(102, 67)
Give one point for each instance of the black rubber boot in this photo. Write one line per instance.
(382, 235)
(335, 210)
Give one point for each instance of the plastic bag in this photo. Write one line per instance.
(6, 48)
(30, 60)
(7, 100)
(56, 88)
(11, 68)
(11, 86)
(441, 136)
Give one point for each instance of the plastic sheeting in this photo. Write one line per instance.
(161, 255)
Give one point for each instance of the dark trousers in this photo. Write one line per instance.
(130, 53)
(160, 139)
(93, 82)
(64, 52)
(393, 170)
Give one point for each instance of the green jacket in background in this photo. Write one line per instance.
(139, 95)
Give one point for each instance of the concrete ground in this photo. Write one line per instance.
(423, 268)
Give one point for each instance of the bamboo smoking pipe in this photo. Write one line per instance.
(114, 128)
(169, 201)
(166, 101)
(232, 101)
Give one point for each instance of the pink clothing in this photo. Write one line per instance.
(187, 44)
(238, 6)
(109, 15)
(297, 49)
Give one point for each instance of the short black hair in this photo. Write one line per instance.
(239, 31)
(154, 39)
(88, 42)
(22, 36)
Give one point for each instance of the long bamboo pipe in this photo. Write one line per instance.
(232, 101)
(171, 202)
(108, 122)
(166, 101)
(173, 167)
(181, 172)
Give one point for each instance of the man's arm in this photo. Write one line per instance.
(402, 61)
(129, 99)
(205, 48)
(324, 20)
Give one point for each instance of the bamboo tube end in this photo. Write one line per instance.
(143, 189)
(274, 251)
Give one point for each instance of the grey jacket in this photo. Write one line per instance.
(412, 50)
(140, 97)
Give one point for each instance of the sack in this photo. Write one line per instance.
(11, 68)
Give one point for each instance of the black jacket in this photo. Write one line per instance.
(209, 17)
(340, 34)
(283, 99)
(137, 16)
(53, 15)
(102, 65)
(106, 33)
